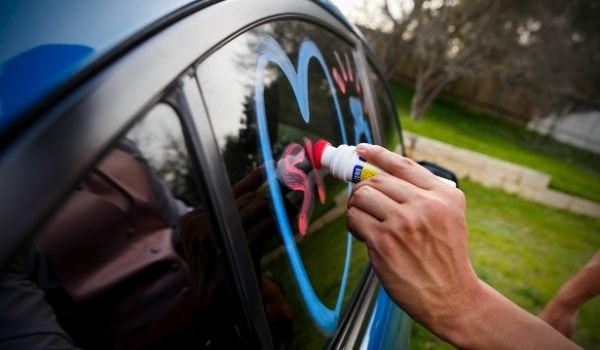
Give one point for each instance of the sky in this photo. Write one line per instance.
(367, 12)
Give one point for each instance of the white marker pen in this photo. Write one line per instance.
(345, 164)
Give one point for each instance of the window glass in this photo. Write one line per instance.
(391, 134)
(127, 260)
(270, 93)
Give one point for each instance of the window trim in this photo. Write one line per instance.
(228, 233)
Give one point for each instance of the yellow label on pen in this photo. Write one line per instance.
(367, 173)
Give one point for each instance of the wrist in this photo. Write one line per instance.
(567, 298)
(461, 325)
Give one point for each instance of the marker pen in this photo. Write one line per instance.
(345, 164)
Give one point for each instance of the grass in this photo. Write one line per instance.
(573, 170)
(526, 251)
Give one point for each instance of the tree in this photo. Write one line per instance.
(451, 39)
(548, 45)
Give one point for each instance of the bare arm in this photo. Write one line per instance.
(415, 230)
(561, 312)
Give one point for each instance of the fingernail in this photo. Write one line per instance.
(363, 146)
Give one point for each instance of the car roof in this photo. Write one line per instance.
(45, 44)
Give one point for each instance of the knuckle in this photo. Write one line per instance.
(437, 205)
(378, 150)
(351, 214)
(401, 163)
(460, 198)
(376, 181)
(362, 192)
(408, 224)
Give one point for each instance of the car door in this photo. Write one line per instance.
(226, 96)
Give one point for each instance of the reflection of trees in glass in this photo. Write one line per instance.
(174, 169)
(159, 138)
(239, 152)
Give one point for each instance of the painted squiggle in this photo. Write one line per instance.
(350, 74)
(339, 81)
(361, 127)
(296, 179)
(270, 52)
(308, 147)
(341, 65)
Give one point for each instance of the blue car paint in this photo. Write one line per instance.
(389, 327)
(33, 73)
(45, 43)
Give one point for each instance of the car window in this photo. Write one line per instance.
(386, 112)
(127, 260)
(270, 93)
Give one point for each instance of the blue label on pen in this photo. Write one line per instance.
(356, 173)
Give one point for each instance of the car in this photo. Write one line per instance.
(151, 182)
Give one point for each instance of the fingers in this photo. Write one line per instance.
(260, 229)
(250, 182)
(254, 208)
(371, 201)
(362, 225)
(396, 189)
(397, 165)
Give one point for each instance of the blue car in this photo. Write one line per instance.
(154, 181)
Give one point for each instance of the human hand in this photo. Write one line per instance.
(254, 205)
(561, 312)
(561, 316)
(414, 228)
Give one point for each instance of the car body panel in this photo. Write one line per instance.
(45, 43)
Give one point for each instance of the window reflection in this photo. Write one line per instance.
(387, 116)
(127, 260)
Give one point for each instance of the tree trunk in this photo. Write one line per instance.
(427, 88)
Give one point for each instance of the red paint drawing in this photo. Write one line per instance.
(348, 78)
(296, 179)
(308, 148)
(339, 81)
(341, 65)
(350, 75)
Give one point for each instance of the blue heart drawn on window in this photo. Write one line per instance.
(270, 52)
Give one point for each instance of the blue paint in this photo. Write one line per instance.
(361, 127)
(269, 51)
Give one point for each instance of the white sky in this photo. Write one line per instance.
(367, 12)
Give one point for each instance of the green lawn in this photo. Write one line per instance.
(573, 170)
(526, 251)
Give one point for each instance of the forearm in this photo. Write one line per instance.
(583, 286)
(494, 322)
